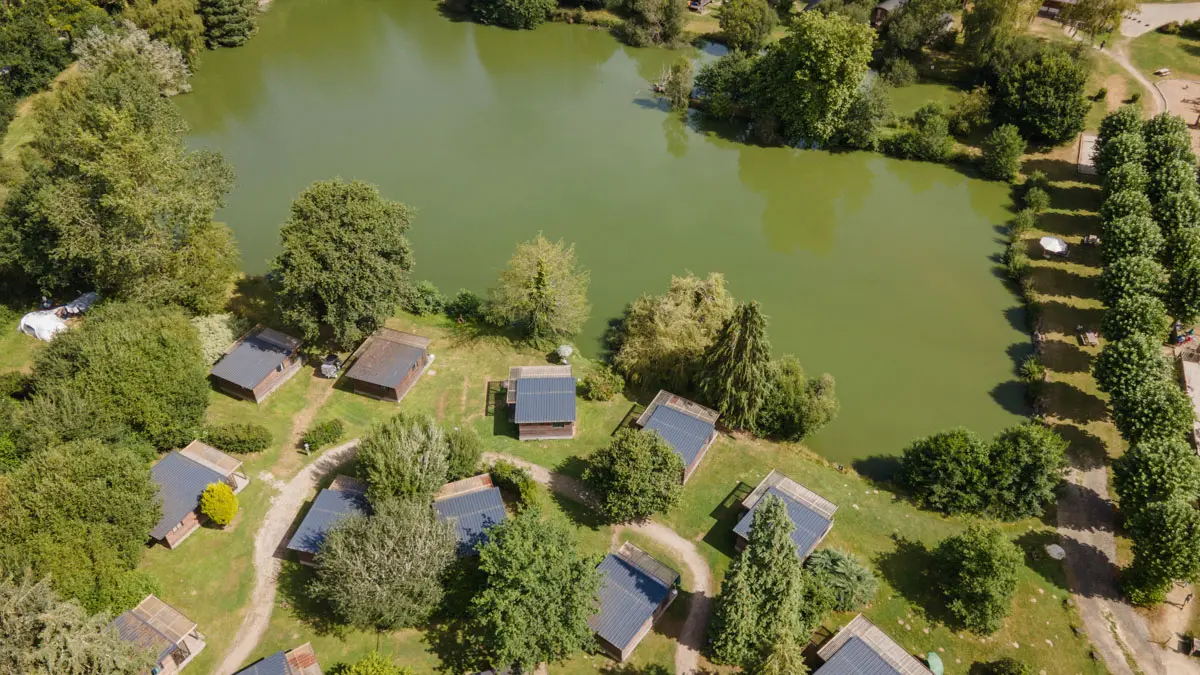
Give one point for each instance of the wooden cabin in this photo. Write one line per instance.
(181, 477)
(388, 364)
(258, 364)
(635, 590)
(688, 427)
(160, 629)
(810, 513)
(474, 506)
(541, 401)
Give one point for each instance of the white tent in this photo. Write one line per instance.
(43, 325)
(1054, 245)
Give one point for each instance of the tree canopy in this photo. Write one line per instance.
(944, 471)
(344, 261)
(1156, 470)
(1138, 314)
(746, 24)
(219, 503)
(227, 23)
(796, 406)
(989, 26)
(542, 292)
(734, 375)
(1126, 363)
(1043, 96)
(1154, 408)
(636, 475)
(404, 457)
(977, 572)
(1166, 549)
(1002, 151)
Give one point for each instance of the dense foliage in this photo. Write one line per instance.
(925, 136)
(1135, 235)
(542, 292)
(1043, 96)
(1154, 408)
(406, 456)
(653, 22)
(1166, 547)
(746, 24)
(383, 572)
(171, 22)
(512, 13)
(796, 406)
(636, 476)
(322, 434)
(601, 384)
(1002, 150)
(372, 664)
(465, 450)
(219, 503)
(1139, 314)
(853, 583)
(344, 261)
(736, 367)
(218, 333)
(976, 571)
(1131, 275)
(530, 566)
(1156, 471)
(238, 437)
(1125, 364)
(227, 23)
(422, 299)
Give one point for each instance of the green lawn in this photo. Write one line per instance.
(906, 100)
(16, 348)
(1156, 50)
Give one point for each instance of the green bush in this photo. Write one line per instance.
(238, 438)
(1037, 199)
(466, 449)
(422, 299)
(601, 384)
(323, 434)
(219, 503)
(515, 480)
(899, 72)
(1032, 369)
(465, 305)
(512, 13)
(1023, 222)
(1007, 666)
(1169, 28)
(853, 584)
(1002, 153)
(976, 571)
(1016, 261)
(217, 333)
(1101, 94)
(926, 137)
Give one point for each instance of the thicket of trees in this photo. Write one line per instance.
(405, 457)
(542, 293)
(635, 476)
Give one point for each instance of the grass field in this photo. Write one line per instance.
(16, 348)
(1156, 50)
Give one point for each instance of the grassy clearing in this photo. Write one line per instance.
(1156, 50)
(17, 349)
(906, 100)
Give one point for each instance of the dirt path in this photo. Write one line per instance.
(268, 545)
(319, 391)
(695, 626)
(1119, 55)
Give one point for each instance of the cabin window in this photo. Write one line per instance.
(559, 425)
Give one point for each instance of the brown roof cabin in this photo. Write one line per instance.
(861, 647)
(541, 401)
(160, 629)
(300, 661)
(388, 363)
(181, 477)
(635, 590)
(810, 513)
(688, 427)
(257, 364)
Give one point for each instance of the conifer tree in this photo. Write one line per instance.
(227, 23)
(736, 371)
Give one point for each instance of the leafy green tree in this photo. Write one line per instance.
(914, 26)
(542, 292)
(678, 84)
(1128, 236)
(1025, 468)
(601, 384)
(797, 406)
(1008, 666)
(405, 457)
(1130, 276)
(990, 25)
(1126, 119)
(852, 582)
(976, 571)
(1166, 549)
(1167, 140)
(138, 368)
(1156, 470)
(374, 664)
(512, 13)
(733, 632)
(79, 513)
(870, 111)
(1124, 204)
(725, 84)
(1138, 314)
(1177, 212)
(808, 80)
(663, 337)
(30, 48)
(1181, 246)
(217, 332)
(174, 22)
(734, 376)
(227, 23)
(1126, 148)
(1131, 176)
(746, 24)
(219, 503)
(344, 261)
(465, 306)
(1183, 290)
(465, 452)
(530, 565)
(925, 137)
(944, 471)
(118, 203)
(1002, 151)
(971, 111)
(1099, 16)
(41, 634)
(1155, 408)
(1126, 363)
(636, 476)
(1044, 97)
(1171, 178)
(653, 22)
(384, 572)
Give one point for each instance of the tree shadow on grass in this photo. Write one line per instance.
(1075, 197)
(1085, 450)
(293, 594)
(727, 514)
(448, 630)
(1056, 281)
(579, 514)
(1081, 508)
(1065, 357)
(909, 569)
(253, 300)
(1055, 169)
(1034, 544)
(1070, 403)
(1068, 225)
(1060, 317)
(879, 469)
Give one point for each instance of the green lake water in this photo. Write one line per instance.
(877, 271)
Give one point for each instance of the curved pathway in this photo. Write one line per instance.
(269, 542)
(695, 626)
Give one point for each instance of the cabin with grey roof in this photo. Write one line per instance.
(635, 590)
(257, 364)
(541, 401)
(810, 513)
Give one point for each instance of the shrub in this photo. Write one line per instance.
(971, 111)
(1135, 97)
(422, 299)
(1169, 28)
(899, 72)
(406, 456)
(1037, 199)
(219, 503)
(636, 475)
(466, 449)
(1023, 221)
(977, 573)
(926, 137)
(1101, 95)
(465, 305)
(1007, 666)
(217, 333)
(943, 471)
(852, 582)
(512, 13)
(1032, 369)
(1002, 153)
(1016, 262)
(601, 384)
(515, 480)
(238, 438)
(323, 434)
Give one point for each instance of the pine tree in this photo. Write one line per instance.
(736, 369)
(734, 625)
(227, 23)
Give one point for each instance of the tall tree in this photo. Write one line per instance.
(662, 338)
(227, 23)
(405, 457)
(945, 470)
(106, 52)
(736, 367)
(1025, 469)
(538, 594)
(1166, 549)
(543, 291)
(977, 573)
(344, 261)
(1043, 96)
(384, 572)
(913, 26)
(1138, 314)
(1124, 364)
(1130, 236)
(990, 25)
(1183, 290)
(1154, 408)
(1126, 148)
(40, 634)
(30, 48)
(1156, 471)
(636, 475)
(797, 406)
(1126, 119)
(1002, 151)
(809, 79)
(746, 24)
(1131, 275)
(1095, 17)
(174, 22)
(512, 13)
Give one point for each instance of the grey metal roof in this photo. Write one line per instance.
(180, 482)
(474, 513)
(275, 664)
(385, 363)
(328, 509)
(628, 597)
(545, 399)
(891, 5)
(255, 357)
(136, 631)
(810, 526)
(685, 434)
(856, 658)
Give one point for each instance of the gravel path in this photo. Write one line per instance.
(269, 543)
(695, 626)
